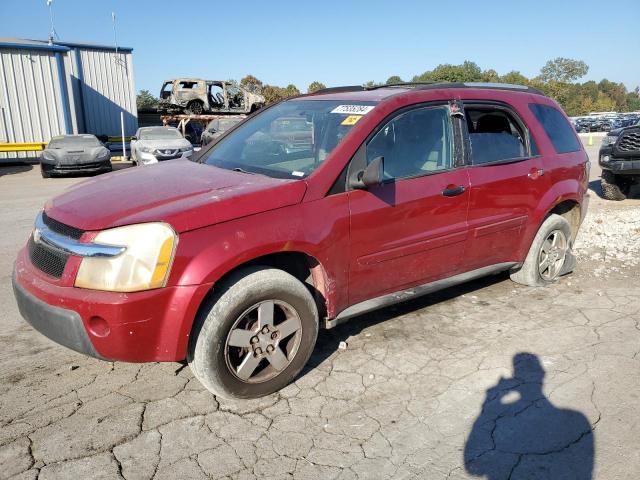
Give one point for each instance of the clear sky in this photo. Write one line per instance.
(342, 42)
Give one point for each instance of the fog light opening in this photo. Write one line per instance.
(98, 326)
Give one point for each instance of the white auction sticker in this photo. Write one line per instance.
(353, 109)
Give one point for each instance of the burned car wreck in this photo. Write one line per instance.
(197, 97)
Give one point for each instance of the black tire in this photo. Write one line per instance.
(614, 187)
(195, 108)
(209, 355)
(46, 173)
(529, 273)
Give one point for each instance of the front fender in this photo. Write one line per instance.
(207, 254)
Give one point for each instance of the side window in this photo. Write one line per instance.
(187, 85)
(414, 143)
(556, 127)
(494, 135)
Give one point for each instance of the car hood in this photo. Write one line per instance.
(185, 194)
(76, 152)
(163, 143)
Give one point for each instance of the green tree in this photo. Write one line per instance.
(514, 77)
(291, 90)
(563, 70)
(251, 83)
(370, 84)
(465, 72)
(393, 79)
(490, 76)
(145, 99)
(633, 101)
(273, 94)
(315, 86)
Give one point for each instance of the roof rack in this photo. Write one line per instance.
(348, 88)
(434, 85)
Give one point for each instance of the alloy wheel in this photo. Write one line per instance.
(552, 255)
(263, 341)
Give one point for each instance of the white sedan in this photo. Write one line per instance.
(157, 144)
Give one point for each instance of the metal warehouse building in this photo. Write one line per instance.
(52, 89)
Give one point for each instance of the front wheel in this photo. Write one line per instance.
(614, 187)
(255, 335)
(549, 256)
(45, 172)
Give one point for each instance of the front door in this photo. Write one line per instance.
(411, 229)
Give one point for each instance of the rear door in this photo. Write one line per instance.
(412, 229)
(507, 180)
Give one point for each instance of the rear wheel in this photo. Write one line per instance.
(614, 187)
(195, 108)
(549, 255)
(255, 335)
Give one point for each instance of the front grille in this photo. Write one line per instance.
(79, 166)
(44, 258)
(629, 141)
(61, 228)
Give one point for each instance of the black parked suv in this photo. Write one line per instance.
(620, 161)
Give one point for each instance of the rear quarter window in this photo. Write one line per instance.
(555, 125)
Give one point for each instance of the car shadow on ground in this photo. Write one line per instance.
(521, 434)
(329, 340)
(14, 168)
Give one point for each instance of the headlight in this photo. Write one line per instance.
(146, 149)
(104, 154)
(144, 264)
(609, 140)
(47, 156)
(186, 149)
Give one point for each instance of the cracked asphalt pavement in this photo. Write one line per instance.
(487, 380)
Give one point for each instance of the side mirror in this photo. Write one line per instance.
(372, 176)
(134, 138)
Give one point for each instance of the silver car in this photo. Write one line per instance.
(216, 128)
(156, 144)
(74, 154)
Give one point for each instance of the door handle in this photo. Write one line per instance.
(535, 173)
(453, 190)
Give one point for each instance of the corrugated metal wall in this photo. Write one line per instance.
(31, 104)
(107, 88)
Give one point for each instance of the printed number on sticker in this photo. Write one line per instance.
(351, 120)
(353, 109)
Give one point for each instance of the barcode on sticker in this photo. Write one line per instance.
(353, 109)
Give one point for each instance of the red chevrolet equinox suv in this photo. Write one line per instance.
(233, 260)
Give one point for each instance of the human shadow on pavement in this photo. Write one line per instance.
(520, 434)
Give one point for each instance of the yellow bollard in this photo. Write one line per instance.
(590, 142)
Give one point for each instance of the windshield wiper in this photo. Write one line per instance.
(242, 170)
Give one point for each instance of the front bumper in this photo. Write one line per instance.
(77, 167)
(58, 324)
(147, 158)
(620, 165)
(147, 326)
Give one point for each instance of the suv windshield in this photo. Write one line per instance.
(157, 133)
(288, 140)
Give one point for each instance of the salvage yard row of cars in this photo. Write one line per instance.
(305, 215)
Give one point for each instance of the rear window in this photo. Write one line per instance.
(557, 128)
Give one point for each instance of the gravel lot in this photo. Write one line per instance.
(489, 379)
